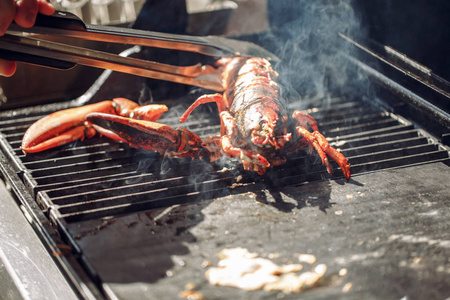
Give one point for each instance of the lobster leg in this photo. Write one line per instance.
(320, 143)
(250, 160)
(334, 154)
(304, 119)
(217, 98)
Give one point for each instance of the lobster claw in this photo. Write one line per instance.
(65, 126)
(149, 135)
(61, 127)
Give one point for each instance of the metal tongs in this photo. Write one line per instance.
(19, 44)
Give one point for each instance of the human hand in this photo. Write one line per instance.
(24, 13)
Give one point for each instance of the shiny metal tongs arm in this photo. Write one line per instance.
(17, 46)
(63, 56)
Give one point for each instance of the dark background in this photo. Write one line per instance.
(418, 28)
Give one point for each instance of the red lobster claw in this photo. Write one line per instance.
(69, 125)
(61, 127)
(149, 135)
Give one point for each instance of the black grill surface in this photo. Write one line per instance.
(142, 224)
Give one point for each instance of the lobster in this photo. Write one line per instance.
(255, 127)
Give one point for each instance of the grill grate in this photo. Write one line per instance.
(97, 178)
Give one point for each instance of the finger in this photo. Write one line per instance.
(45, 7)
(26, 11)
(7, 13)
(7, 67)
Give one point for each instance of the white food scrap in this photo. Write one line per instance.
(307, 258)
(242, 269)
(245, 270)
(343, 272)
(191, 295)
(347, 287)
(292, 283)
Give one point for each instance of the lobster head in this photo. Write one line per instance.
(267, 127)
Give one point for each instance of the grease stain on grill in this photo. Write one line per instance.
(95, 230)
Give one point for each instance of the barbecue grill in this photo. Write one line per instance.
(123, 223)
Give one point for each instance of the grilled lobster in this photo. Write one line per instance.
(254, 123)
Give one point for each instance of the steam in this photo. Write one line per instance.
(145, 95)
(309, 46)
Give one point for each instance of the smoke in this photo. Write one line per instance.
(304, 34)
(145, 95)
